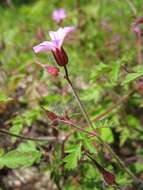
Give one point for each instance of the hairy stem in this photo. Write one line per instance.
(78, 99)
(85, 114)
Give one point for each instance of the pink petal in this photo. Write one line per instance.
(59, 36)
(58, 15)
(44, 46)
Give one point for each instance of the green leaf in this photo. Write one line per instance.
(125, 134)
(29, 145)
(138, 69)
(132, 76)
(25, 155)
(107, 135)
(88, 144)
(114, 74)
(31, 115)
(17, 126)
(104, 123)
(15, 159)
(138, 167)
(27, 118)
(4, 98)
(72, 158)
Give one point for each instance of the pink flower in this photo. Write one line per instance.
(58, 15)
(55, 45)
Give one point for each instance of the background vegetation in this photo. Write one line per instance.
(104, 68)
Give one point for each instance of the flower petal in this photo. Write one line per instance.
(44, 46)
(59, 36)
(58, 15)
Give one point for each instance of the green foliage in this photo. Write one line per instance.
(102, 64)
(107, 135)
(4, 98)
(131, 77)
(25, 155)
(137, 72)
(125, 134)
(74, 154)
(26, 118)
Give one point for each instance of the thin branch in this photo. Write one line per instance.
(5, 132)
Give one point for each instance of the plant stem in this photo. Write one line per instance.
(93, 134)
(85, 114)
(139, 49)
(78, 99)
(5, 132)
(121, 163)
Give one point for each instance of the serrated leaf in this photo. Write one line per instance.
(132, 76)
(107, 135)
(103, 123)
(125, 134)
(24, 156)
(72, 158)
(88, 144)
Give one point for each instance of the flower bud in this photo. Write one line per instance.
(60, 56)
(52, 70)
(137, 27)
(108, 177)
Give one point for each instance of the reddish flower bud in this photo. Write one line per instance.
(52, 70)
(108, 177)
(60, 56)
(136, 27)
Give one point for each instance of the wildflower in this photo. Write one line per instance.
(55, 45)
(59, 15)
(136, 27)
